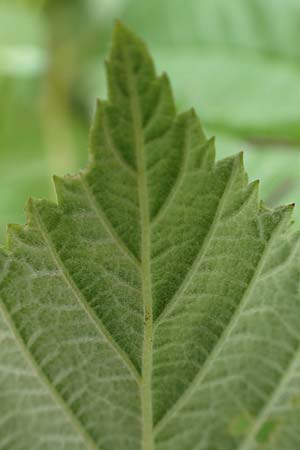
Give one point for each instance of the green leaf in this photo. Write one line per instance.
(156, 306)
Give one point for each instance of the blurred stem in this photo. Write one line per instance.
(56, 110)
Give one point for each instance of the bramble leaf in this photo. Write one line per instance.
(157, 305)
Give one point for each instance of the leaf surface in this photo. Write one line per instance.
(156, 306)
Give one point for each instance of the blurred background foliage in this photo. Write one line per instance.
(237, 62)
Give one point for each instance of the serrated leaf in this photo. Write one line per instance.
(156, 306)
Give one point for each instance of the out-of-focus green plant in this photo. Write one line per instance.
(238, 62)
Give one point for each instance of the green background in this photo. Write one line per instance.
(237, 62)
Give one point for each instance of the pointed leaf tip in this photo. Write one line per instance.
(122, 34)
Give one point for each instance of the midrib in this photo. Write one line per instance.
(146, 394)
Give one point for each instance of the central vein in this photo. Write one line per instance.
(146, 391)
(148, 317)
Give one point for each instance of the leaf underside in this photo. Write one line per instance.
(157, 305)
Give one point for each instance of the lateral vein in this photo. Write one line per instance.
(69, 414)
(112, 146)
(194, 267)
(177, 182)
(246, 444)
(223, 337)
(85, 305)
(106, 223)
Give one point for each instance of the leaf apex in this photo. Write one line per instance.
(122, 33)
(119, 25)
(29, 205)
(241, 156)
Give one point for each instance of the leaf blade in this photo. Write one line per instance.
(142, 295)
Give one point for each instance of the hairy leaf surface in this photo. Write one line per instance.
(157, 305)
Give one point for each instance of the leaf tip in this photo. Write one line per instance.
(121, 32)
(212, 140)
(59, 185)
(120, 26)
(29, 205)
(240, 156)
(193, 112)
